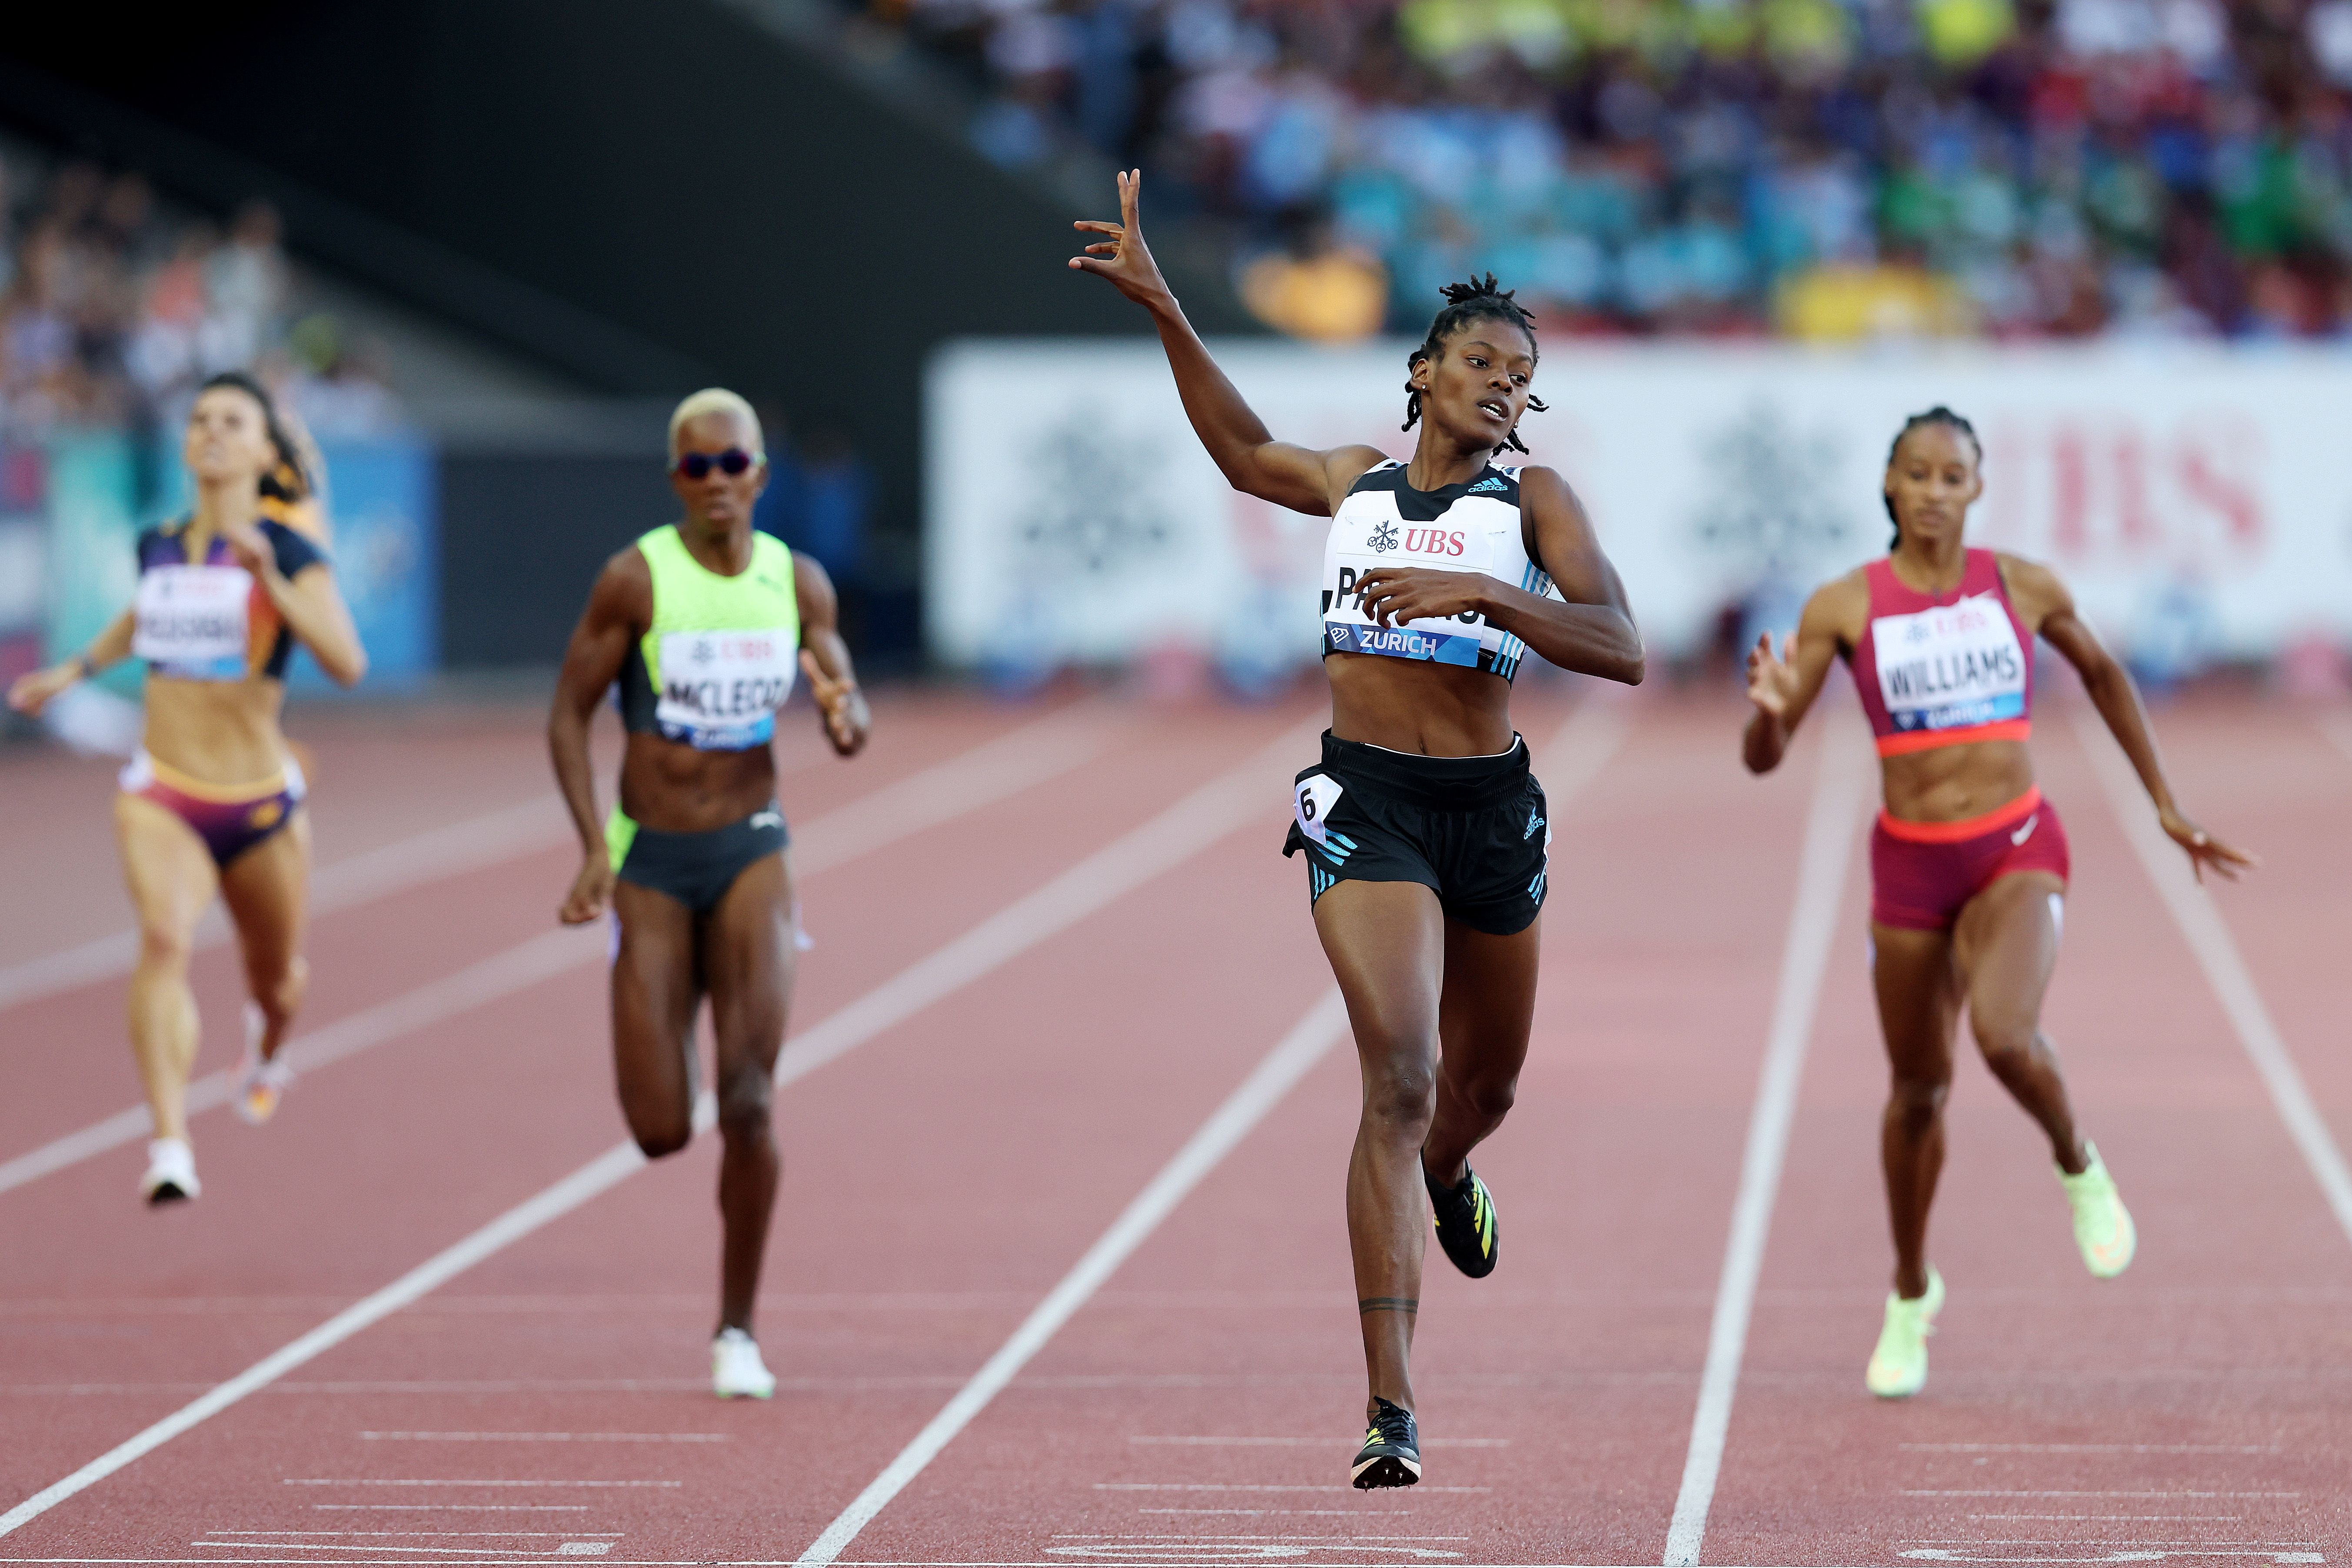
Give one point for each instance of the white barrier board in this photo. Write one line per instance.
(2198, 499)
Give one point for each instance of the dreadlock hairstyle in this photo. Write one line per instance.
(1480, 299)
(289, 478)
(1939, 414)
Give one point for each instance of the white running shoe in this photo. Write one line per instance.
(260, 1085)
(2103, 1226)
(736, 1370)
(170, 1172)
(1898, 1367)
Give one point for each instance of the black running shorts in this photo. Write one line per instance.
(697, 869)
(1472, 830)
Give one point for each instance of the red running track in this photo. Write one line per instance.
(948, 1171)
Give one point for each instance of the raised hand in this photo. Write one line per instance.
(1771, 679)
(2203, 849)
(1123, 257)
(846, 717)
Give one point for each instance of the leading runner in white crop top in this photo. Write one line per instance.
(1385, 524)
(1426, 837)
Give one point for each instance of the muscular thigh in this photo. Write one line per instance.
(1488, 1002)
(748, 960)
(166, 868)
(266, 889)
(1386, 942)
(2005, 946)
(1918, 1001)
(656, 987)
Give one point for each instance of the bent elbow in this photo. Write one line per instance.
(349, 672)
(1633, 663)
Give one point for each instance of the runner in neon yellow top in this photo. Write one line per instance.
(701, 623)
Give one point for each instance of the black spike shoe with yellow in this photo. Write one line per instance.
(1464, 1217)
(1391, 1455)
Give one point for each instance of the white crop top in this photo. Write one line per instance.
(1470, 526)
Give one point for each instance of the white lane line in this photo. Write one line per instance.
(421, 857)
(509, 1552)
(2092, 1447)
(2337, 728)
(546, 1438)
(508, 833)
(1226, 1126)
(993, 771)
(1317, 1442)
(1831, 829)
(1593, 733)
(385, 1481)
(1255, 1487)
(1192, 824)
(2164, 1493)
(2225, 971)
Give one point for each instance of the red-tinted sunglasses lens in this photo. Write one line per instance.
(730, 462)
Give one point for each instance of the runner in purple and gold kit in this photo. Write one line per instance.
(212, 800)
(1968, 862)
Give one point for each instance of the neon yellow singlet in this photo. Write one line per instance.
(718, 660)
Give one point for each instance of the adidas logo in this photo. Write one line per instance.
(1486, 484)
(1535, 820)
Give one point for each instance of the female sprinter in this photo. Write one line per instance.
(701, 622)
(1425, 837)
(212, 800)
(1967, 861)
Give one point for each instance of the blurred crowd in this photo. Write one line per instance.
(112, 309)
(1821, 168)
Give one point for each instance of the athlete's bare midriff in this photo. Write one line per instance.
(1417, 706)
(1952, 784)
(218, 731)
(672, 787)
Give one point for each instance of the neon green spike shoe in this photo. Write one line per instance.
(1898, 1367)
(2103, 1226)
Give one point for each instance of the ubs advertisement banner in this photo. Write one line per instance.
(2194, 496)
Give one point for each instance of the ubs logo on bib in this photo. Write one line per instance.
(1384, 538)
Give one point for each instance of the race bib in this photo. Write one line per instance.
(1951, 667)
(1346, 628)
(1311, 802)
(719, 691)
(190, 621)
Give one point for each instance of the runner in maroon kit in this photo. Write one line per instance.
(1968, 862)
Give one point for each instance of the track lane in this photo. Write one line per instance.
(884, 1309)
(359, 977)
(1556, 1395)
(1003, 848)
(2191, 1403)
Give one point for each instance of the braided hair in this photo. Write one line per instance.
(1480, 299)
(289, 478)
(1939, 414)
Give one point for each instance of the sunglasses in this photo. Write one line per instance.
(730, 462)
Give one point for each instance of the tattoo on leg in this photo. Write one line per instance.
(1389, 1304)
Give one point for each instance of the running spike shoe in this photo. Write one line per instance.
(1898, 1367)
(1391, 1455)
(2103, 1226)
(260, 1084)
(1465, 1218)
(736, 1370)
(170, 1176)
